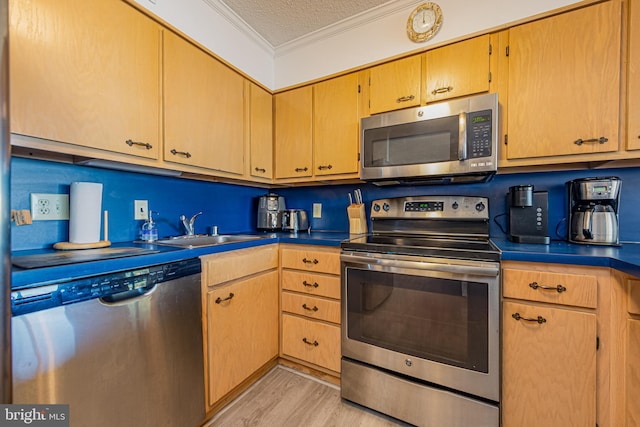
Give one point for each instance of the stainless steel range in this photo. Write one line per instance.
(420, 310)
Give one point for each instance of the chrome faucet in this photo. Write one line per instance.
(188, 224)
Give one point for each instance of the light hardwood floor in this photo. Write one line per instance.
(286, 398)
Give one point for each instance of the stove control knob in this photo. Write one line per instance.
(386, 207)
(480, 207)
(376, 207)
(455, 205)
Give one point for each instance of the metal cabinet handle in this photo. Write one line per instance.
(560, 289)
(310, 285)
(306, 307)
(322, 167)
(219, 300)
(304, 169)
(261, 170)
(131, 143)
(306, 341)
(600, 140)
(405, 98)
(441, 90)
(181, 153)
(538, 319)
(309, 261)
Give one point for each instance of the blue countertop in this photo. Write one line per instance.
(625, 258)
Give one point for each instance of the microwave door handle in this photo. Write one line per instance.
(462, 136)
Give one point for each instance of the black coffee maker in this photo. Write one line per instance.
(528, 212)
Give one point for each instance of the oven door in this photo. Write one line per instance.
(433, 319)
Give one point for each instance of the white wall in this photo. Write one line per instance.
(365, 39)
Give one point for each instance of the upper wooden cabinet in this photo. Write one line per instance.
(86, 73)
(633, 94)
(203, 109)
(260, 132)
(294, 133)
(395, 85)
(335, 126)
(458, 69)
(564, 84)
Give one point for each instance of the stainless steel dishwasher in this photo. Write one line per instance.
(122, 349)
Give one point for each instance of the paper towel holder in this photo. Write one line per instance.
(68, 246)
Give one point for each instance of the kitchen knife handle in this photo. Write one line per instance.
(182, 153)
(600, 140)
(131, 143)
(559, 288)
(220, 300)
(306, 341)
(310, 285)
(306, 307)
(538, 319)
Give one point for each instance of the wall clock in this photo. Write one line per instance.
(424, 22)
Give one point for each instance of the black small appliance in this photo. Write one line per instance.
(528, 210)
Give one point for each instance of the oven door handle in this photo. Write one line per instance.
(490, 270)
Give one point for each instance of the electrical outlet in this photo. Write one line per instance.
(46, 207)
(317, 210)
(141, 209)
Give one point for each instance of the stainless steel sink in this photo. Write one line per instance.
(201, 240)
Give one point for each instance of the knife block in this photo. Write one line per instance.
(357, 219)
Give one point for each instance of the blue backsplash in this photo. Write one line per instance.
(232, 207)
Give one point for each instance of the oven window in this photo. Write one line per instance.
(428, 141)
(435, 319)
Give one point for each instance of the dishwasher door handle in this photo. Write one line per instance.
(127, 297)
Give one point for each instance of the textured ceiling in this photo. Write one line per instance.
(281, 21)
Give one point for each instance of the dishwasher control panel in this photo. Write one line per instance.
(110, 287)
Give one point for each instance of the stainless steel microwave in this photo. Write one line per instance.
(448, 142)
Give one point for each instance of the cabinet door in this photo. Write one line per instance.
(293, 133)
(633, 372)
(564, 83)
(458, 69)
(203, 109)
(86, 73)
(633, 96)
(261, 132)
(335, 126)
(548, 369)
(242, 329)
(395, 85)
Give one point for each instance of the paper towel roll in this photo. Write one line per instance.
(85, 208)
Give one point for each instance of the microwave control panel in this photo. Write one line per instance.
(479, 134)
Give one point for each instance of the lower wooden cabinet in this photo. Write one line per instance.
(240, 305)
(310, 304)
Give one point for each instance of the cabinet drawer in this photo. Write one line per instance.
(311, 259)
(312, 284)
(226, 266)
(312, 341)
(316, 308)
(558, 288)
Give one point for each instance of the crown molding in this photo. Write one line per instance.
(241, 25)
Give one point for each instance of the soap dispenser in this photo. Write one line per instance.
(149, 231)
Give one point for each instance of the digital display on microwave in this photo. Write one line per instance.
(481, 119)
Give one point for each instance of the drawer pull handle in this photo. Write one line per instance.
(441, 90)
(309, 261)
(146, 145)
(310, 285)
(304, 169)
(261, 170)
(538, 319)
(600, 140)
(558, 288)
(219, 300)
(323, 167)
(405, 98)
(306, 307)
(182, 153)
(306, 341)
